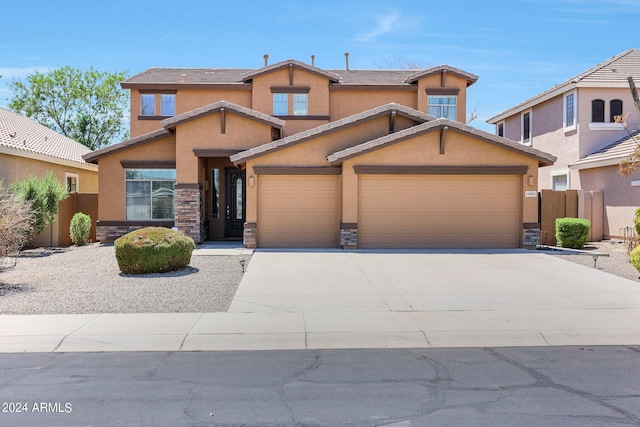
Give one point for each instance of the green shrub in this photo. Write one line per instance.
(634, 257)
(572, 232)
(80, 228)
(153, 250)
(636, 222)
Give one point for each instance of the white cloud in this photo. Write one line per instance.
(20, 73)
(384, 25)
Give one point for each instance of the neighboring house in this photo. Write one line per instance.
(575, 121)
(29, 148)
(291, 155)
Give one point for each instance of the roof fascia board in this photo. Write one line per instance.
(11, 151)
(592, 164)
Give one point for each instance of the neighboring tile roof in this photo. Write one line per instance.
(611, 73)
(609, 155)
(239, 76)
(337, 158)
(147, 137)
(172, 122)
(22, 134)
(410, 113)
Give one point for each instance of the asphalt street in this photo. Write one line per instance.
(527, 386)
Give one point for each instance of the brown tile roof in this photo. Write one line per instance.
(299, 137)
(239, 76)
(23, 135)
(471, 78)
(337, 158)
(289, 62)
(611, 73)
(147, 137)
(174, 121)
(609, 155)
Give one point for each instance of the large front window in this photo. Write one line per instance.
(150, 194)
(443, 106)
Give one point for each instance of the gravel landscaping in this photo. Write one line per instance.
(77, 280)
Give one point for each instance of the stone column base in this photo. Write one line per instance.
(250, 235)
(349, 235)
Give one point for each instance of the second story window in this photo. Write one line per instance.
(280, 104)
(300, 104)
(443, 106)
(597, 111)
(500, 129)
(148, 105)
(526, 128)
(168, 105)
(615, 109)
(570, 111)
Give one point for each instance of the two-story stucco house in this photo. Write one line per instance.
(576, 122)
(292, 155)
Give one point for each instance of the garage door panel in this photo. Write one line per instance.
(439, 211)
(298, 211)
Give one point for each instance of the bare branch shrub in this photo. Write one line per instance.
(16, 226)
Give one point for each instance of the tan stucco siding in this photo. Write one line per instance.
(450, 82)
(111, 202)
(347, 102)
(241, 133)
(15, 168)
(262, 97)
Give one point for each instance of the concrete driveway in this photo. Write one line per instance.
(439, 298)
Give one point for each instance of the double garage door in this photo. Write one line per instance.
(395, 211)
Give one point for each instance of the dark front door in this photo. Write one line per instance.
(235, 202)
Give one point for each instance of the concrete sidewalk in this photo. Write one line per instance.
(370, 299)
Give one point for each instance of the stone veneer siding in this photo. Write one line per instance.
(108, 231)
(250, 235)
(349, 235)
(188, 211)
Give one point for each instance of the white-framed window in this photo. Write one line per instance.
(147, 104)
(168, 105)
(500, 129)
(71, 182)
(280, 104)
(444, 106)
(560, 180)
(150, 194)
(525, 128)
(570, 111)
(300, 104)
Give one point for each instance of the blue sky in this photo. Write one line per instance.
(518, 48)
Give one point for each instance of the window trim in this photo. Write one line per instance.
(564, 172)
(151, 219)
(529, 140)
(574, 126)
(68, 175)
(441, 106)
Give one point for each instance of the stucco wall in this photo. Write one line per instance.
(346, 102)
(111, 201)
(621, 199)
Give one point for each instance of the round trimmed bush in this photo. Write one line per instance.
(80, 228)
(153, 250)
(634, 257)
(572, 232)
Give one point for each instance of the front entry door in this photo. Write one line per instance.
(235, 202)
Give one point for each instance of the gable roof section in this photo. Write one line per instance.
(299, 137)
(471, 78)
(609, 155)
(174, 121)
(186, 77)
(611, 73)
(289, 63)
(142, 139)
(21, 136)
(337, 158)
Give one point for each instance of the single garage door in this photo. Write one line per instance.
(298, 211)
(439, 211)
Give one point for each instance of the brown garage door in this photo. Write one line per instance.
(298, 211)
(439, 211)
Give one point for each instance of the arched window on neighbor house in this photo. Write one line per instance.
(597, 111)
